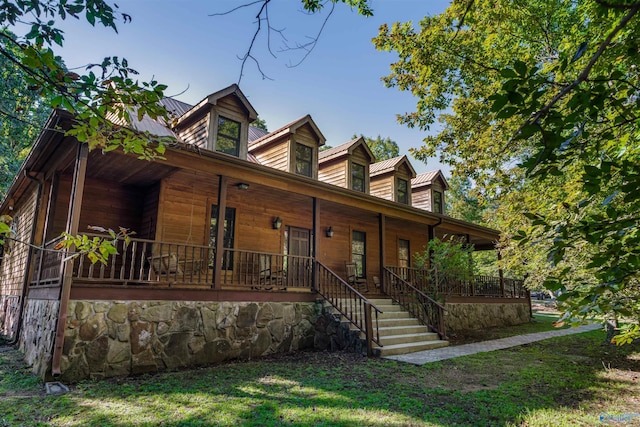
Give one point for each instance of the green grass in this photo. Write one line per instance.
(564, 381)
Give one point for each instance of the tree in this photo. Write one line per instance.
(260, 124)
(539, 105)
(23, 112)
(382, 148)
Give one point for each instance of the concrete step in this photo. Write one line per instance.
(402, 321)
(407, 338)
(392, 350)
(393, 315)
(402, 330)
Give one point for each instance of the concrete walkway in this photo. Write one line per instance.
(428, 356)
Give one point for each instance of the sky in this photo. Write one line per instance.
(179, 43)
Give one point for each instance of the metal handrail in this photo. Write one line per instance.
(417, 303)
(354, 306)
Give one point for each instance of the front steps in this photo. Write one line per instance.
(400, 333)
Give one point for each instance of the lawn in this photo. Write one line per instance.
(562, 381)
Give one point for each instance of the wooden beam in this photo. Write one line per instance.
(73, 221)
(382, 231)
(222, 208)
(501, 274)
(316, 243)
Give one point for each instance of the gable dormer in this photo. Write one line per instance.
(428, 191)
(220, 122)
(347, 165)
(293, 148)
(391, 179)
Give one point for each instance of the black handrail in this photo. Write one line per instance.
(354, 306)
(417, 303)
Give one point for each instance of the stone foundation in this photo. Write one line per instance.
(38, 333)
(464, 316)
(114, 338)
(334, 335)
(9, 309)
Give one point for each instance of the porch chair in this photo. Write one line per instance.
(353, 279)
(165, 265)
(269, 275)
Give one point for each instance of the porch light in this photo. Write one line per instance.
(330, 232)
(277, 223)
(242, 186)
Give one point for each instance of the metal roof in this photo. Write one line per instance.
(427, 178)
(390, 165)
(256, 133)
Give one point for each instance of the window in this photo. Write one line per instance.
(403, 253)
(402, 193)
(359, 253)
(437, 201)
(229, 227)
(357, 178)
(304, 160)
(228, 140)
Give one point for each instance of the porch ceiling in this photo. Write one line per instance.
(125, 169)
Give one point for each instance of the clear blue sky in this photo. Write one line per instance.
(178, 43)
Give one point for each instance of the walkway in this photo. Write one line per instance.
(428, 356)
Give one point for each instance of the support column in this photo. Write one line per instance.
(501, 275)
(73, 222)
(382, 227)
(222, 210)
(316, 244)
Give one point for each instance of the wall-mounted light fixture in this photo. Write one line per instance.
(277, 223)
(330, 232)
(242, 186)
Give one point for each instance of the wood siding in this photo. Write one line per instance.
(416, 234)
(13, 265)
(382, 186)
(197, 133)
(334, 172)
(275, 155)
(421, 198)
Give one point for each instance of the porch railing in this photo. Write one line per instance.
(150, 262)
(266, 271)
(354, 306)
(419, 304)
(480, 286)
(47, 263)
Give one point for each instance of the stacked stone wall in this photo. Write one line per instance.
(461, 316)
(332, 334)
(114, 338)
(38, 332)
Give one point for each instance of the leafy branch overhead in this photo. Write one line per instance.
(539, 105)
(105, 97)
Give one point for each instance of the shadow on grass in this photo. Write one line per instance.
(561, 381)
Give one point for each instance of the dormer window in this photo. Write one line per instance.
(402, 192)
(358, 182)
(437, 202)
(228, 138)
(304, 160)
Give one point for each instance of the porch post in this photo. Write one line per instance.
(431, 234)
(501, 274)
(73, 222)
(382, 226)
(222, 209)
(316, 244)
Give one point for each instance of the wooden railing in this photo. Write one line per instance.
(480, 286)
(149, 262)
(266, 271)
(354, 306)
(144, 261)
(416, 302)
(47, 263)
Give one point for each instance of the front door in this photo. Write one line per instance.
(299, 246)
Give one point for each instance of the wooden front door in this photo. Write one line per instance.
(299, 245)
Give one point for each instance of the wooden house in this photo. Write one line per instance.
(347, 165)
(391, 179)
(238, 248)
(428, 191)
